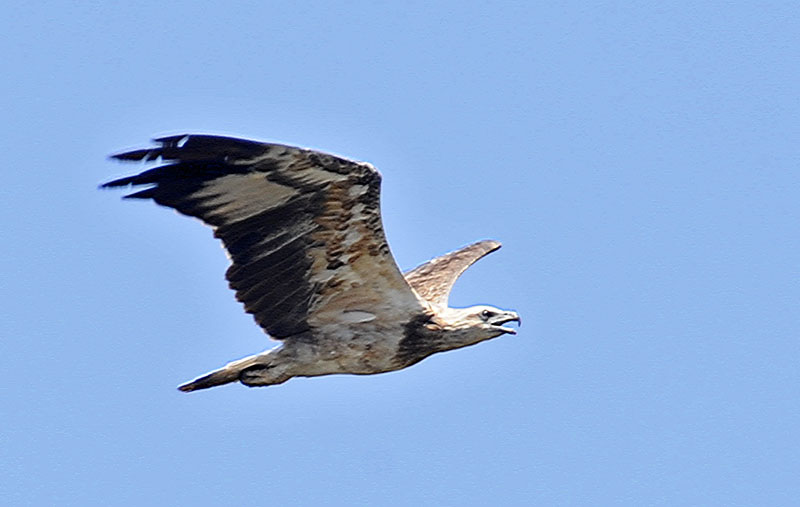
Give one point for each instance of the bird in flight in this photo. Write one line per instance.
(309, 259)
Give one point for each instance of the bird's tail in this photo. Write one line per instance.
(225, 375)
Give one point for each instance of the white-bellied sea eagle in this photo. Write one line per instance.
(310, 260)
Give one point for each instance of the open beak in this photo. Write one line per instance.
(505, 318)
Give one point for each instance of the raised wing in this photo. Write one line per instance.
(302, 228)
(434, 280)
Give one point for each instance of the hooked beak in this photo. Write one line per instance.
(504, 318)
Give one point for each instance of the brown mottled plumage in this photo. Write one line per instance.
(310, 259)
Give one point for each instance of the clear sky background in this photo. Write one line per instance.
(639, 163)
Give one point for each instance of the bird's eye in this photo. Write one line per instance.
(486, 314)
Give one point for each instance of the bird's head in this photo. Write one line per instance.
(477, 323)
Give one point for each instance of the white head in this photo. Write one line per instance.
(467, 326)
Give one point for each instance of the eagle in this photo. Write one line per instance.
(310, 261)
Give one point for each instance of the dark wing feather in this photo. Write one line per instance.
(434, 280)
(302, 228)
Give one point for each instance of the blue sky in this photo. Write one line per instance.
(639, 163)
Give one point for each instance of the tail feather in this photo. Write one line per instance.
(213, 379)
(225, 375)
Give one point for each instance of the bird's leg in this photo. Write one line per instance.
(264, 375)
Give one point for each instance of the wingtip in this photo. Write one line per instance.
(490, 244)
(120, 182)
(151, 154)
(172, 140)
(133, 155)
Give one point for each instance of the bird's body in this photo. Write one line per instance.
(310, 260)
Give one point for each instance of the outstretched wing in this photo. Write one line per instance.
(302, 228)
(434, 280)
